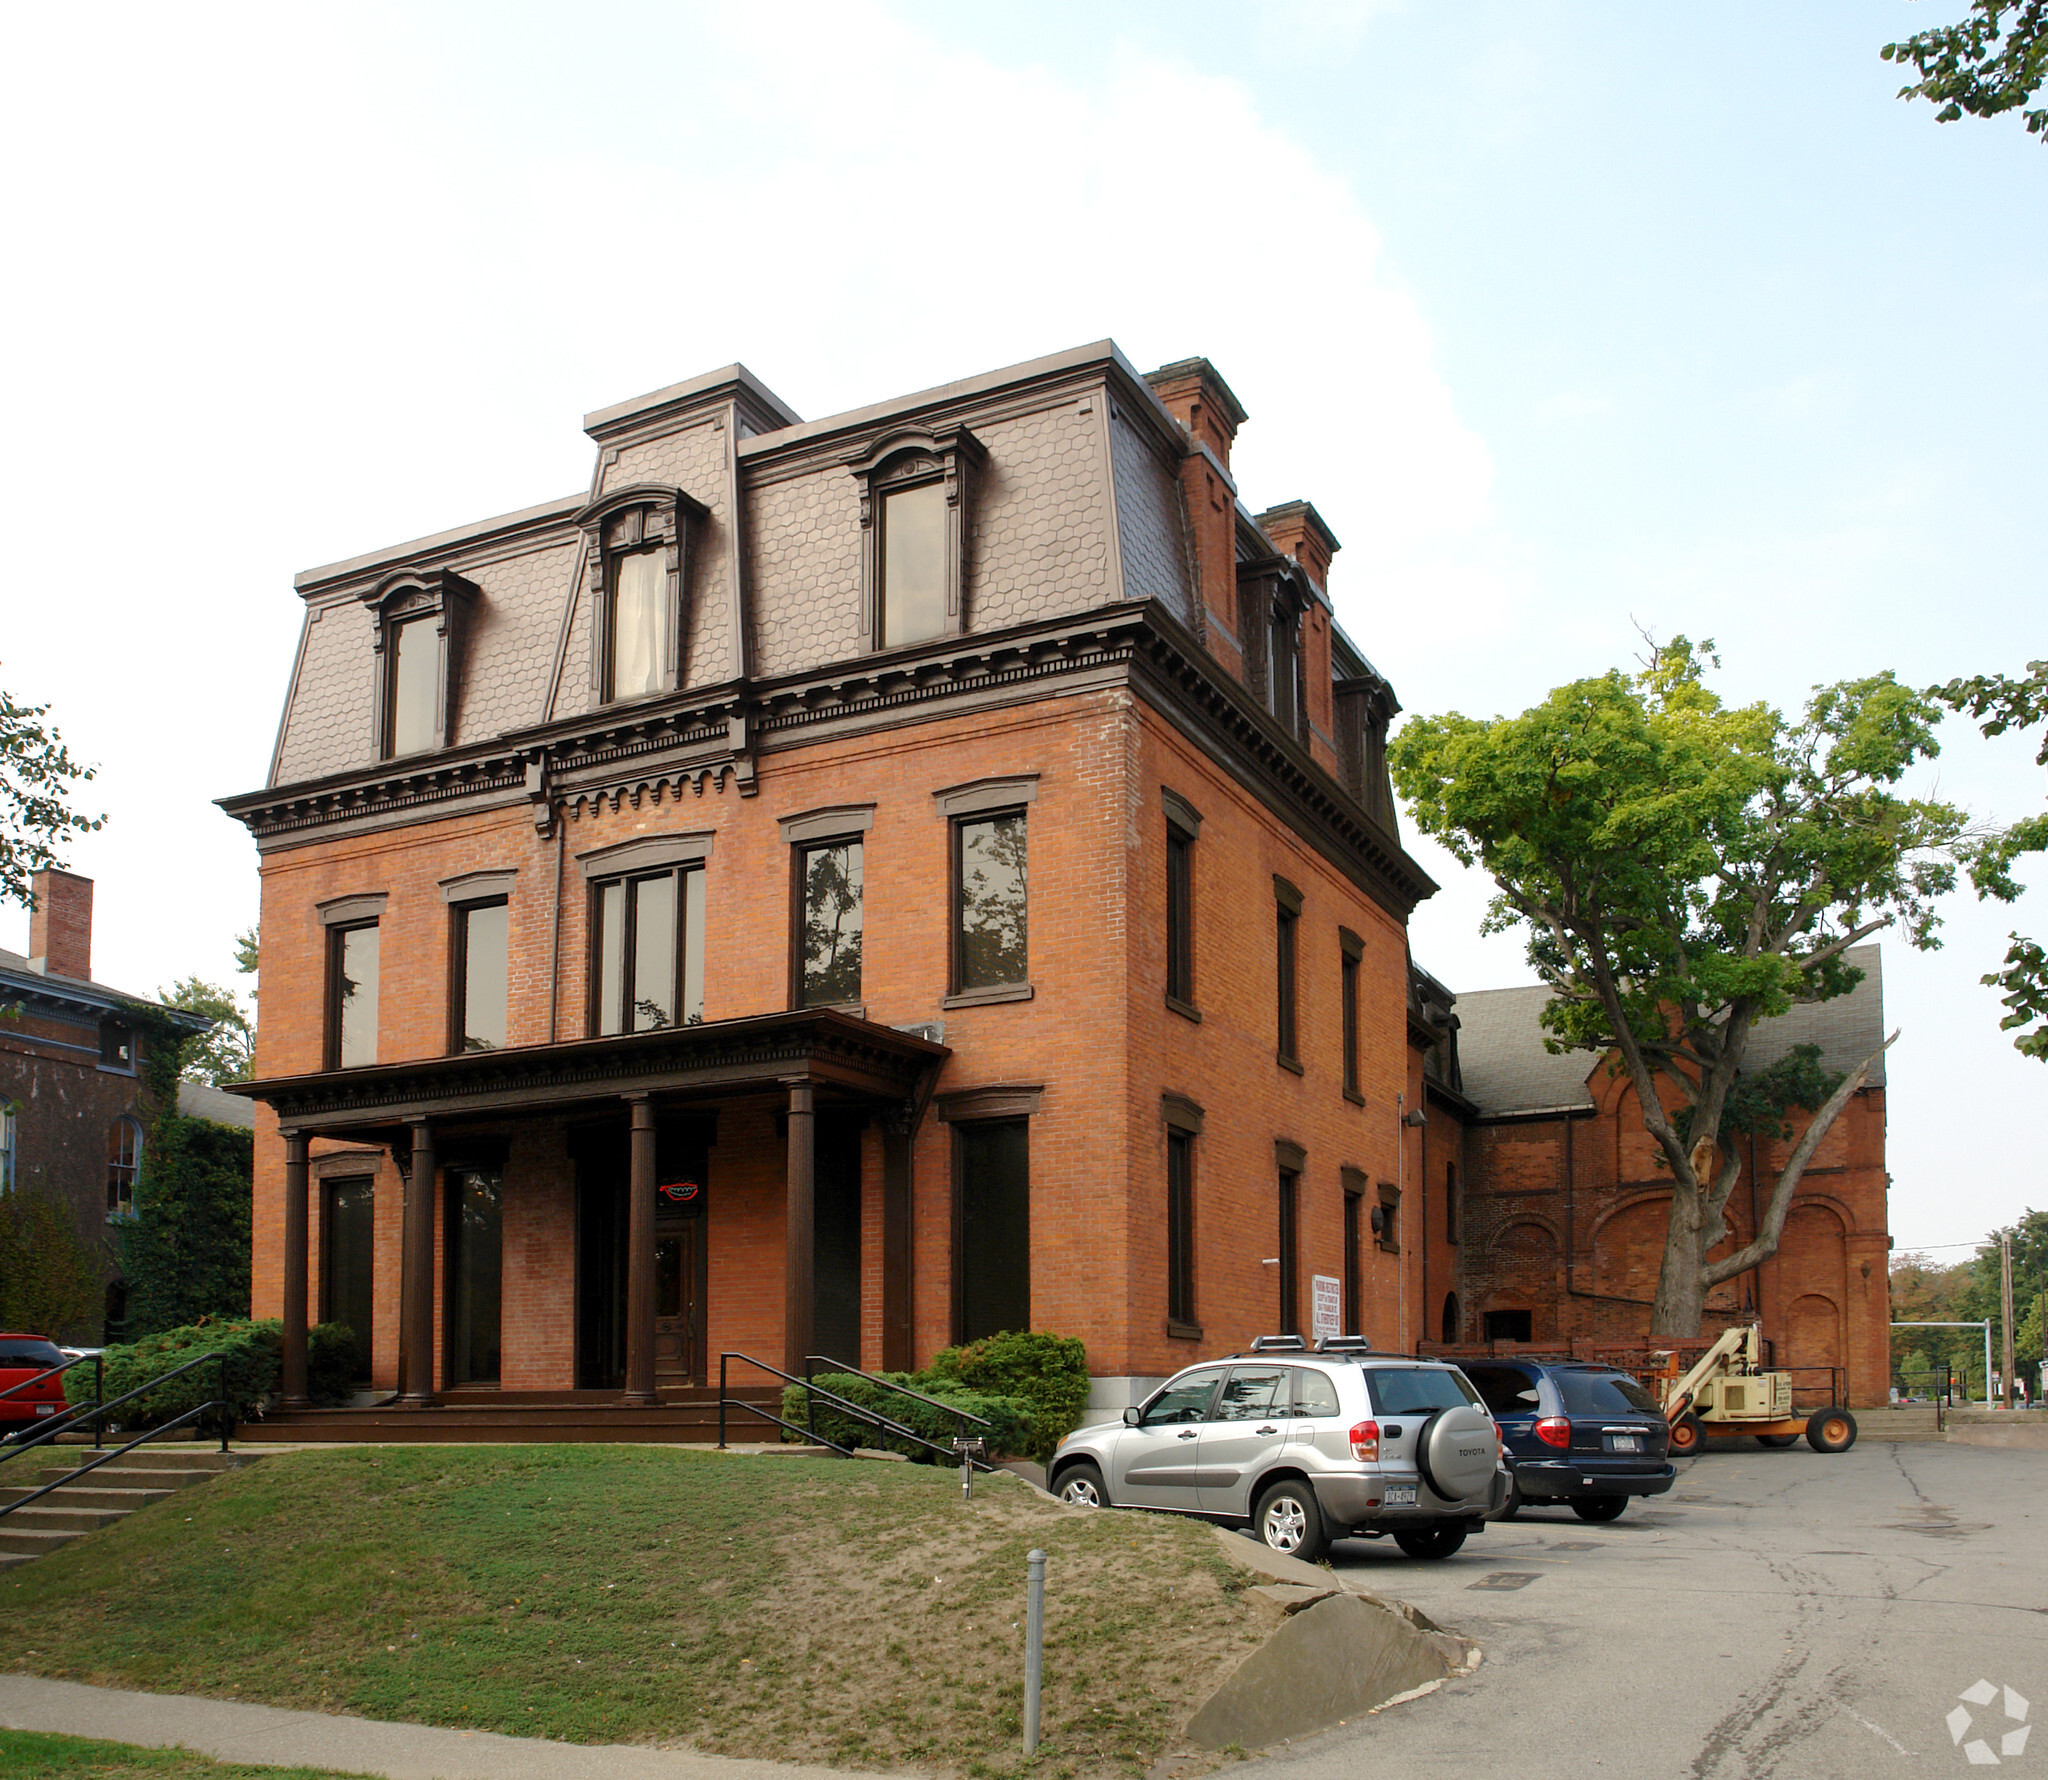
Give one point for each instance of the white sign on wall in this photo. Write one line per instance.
(1327, 1295)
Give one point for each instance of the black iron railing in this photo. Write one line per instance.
(858, 1412)
(46, 1434)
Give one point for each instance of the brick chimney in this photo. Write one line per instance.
(60, 925)
(1299, 531)
(1201, 401)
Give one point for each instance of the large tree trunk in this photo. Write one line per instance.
(1681, 1283)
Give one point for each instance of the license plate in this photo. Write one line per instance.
(46, 1409)
(1400, 1495)
(1624, 1443)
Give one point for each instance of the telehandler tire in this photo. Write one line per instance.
(1831, 1430)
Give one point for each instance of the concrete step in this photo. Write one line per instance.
(130, 1477)
(32, 1542)
(52, 1516)
(88, 1495)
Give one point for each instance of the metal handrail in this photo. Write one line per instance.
(107, 1458)
(53, 1429)
(859, 1412)
(99, 1391)
(889, 1384)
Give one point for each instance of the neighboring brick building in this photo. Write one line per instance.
(838, 886)
(1564, 1205)
(74, 1112)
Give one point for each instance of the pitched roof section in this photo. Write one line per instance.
(18, 980)
(1507, 1070)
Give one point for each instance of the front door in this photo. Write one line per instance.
(676, 1360)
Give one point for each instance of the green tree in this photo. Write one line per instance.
(185, 1254)
(2000, 703)
(227, 1052)
(49, 1278)
(37, 780)
(1984, 65)
(1685, 871)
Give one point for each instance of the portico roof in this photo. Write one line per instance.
(833, 1052)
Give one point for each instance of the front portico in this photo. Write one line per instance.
(630, 1180)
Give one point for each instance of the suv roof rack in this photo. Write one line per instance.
(1279, 1344)
(1344, 1344)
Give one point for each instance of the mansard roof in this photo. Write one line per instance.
(1507, 1070)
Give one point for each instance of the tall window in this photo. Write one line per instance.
(347, 1259)
(913, 552)
(1388, 1220)
(1183, 1126)
(475, 1288)
(992, 1164)
(7, 1143)
(1353, 952)
(480, 968)
(124, 1163)
(647, 951)
(1354, 1218)
(1451, 1202)
(990, 909)
(117, 1045)
(1289, 1213)
(639, 623)
(830, 882)
(1182, 825)
(412, 717)
(1286, 919)
(351, 996)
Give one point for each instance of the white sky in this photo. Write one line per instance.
(1567, 316)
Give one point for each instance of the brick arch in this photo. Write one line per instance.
(1522, 1268)
(1813, 1338)
(1628, 1245)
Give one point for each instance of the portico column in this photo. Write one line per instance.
(295, 1268)
(416, 1276)
(640, 1256)
(800, 1228)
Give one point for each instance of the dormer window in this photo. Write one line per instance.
(915, 491)
(420, 621)
(1271, 598)
(637, 542)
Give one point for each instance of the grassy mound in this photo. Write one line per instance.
(31, 1755)
(809, 1610)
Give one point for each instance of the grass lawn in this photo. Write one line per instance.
(806, 1609)
(29, 1755)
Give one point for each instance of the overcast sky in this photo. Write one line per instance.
(1568, 317)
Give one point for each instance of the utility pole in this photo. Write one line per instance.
(2011, 1391)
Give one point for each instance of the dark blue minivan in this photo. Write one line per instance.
(1576, 1433)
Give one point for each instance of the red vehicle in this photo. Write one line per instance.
(21, 1358)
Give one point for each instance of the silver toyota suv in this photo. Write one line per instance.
(1304, 1446)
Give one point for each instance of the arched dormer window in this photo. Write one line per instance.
(637, 544)
(915, 489)
(420, 621)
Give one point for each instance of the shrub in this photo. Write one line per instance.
(1050, 1372)
(334, 1361)
(1010, 1432)
(50, 1281)
(252, 1351)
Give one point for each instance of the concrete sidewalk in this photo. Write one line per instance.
(228, 1731)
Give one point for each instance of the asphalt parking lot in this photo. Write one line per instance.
(1776, 1614)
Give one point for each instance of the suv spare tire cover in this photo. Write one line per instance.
(1454, 1451)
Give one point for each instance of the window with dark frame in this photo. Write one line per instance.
(117, 1045)
(1451, 1203)
(348, 1259)
(473, 1294)
(1509, 1325)
(991, 905)
(124, 1164)
(637, 541)
(830, 888)
(1289, 1212)
(992, 1176)
(420, 617)
(1352, 956)
(7, 1142)
(480, 966)
(1183, 824)
(1286, 921)
(915, 491)
(1387, 1221)
(352, 960)
(1354, 1299)
(639, 624)
(647, 951)
(1183, 1126)
(413, 709)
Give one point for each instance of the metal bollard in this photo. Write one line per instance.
(1034, 1645)
(969, 1451)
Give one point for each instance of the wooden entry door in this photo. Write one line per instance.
(678, 1246)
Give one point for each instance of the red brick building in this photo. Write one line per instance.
(839, 886)
(1560, 1204)
(74, 1110)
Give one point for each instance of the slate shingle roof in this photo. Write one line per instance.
(1507, 1070)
